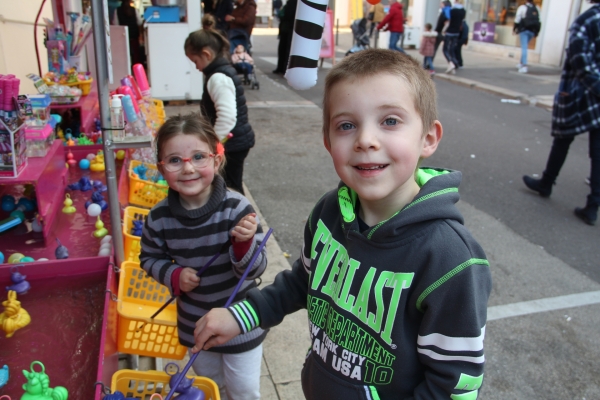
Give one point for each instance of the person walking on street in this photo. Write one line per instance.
(394, 22)
(427, 48)
(453, 28)
(527, 26)
(577, 110)
(219, 9)
(444, 16)
(241, 22)
(463, 39)
(378, 14)
(287, 15)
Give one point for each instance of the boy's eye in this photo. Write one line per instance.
(391, 122)
(174, 160)
(346, 126)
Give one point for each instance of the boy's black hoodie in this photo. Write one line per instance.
(397, 311)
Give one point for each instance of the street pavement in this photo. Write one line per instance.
(542, 340)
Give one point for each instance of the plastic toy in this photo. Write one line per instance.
(36, 224)
(68, 208)
(100, 231)
(1, 258)
(120, 155)
(61, 251)
(116, 396)
(15, 258)
(185, 389)
(20, 285)
(97, 198)
(98, 185)
(38, 386)
(84, 184)
(14, 316)
(16, 210)
(94, 210)
(8, 203)
(98, 163)
(138, 225)
(71, 159)
(141, 170)
(15, 218)
(4, 375)
(26, 259)
(84, 163)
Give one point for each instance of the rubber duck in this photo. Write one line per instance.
(71, 159)
(100, 231)
(14, 316)
(68, 208)
(98, 163)
(61, 251)
(38, 386)
(20, 285)
(4, 375)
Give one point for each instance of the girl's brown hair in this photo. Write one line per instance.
(207, 37)
(192, 124)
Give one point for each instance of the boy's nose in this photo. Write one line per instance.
(366, 139)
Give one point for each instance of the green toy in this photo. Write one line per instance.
(38, 386)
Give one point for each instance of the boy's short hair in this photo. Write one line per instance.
(371, 62)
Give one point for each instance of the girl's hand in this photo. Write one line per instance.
(188, 280)
(245, 229)
(217, 327)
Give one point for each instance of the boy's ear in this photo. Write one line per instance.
(432, 139)
(327, 144)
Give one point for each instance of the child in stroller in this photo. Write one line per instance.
(360, 36)
(241, 59)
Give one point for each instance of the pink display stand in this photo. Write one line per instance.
(88, 108)
(48, 175)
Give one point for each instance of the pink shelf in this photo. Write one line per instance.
(48, 174)
(88, 106)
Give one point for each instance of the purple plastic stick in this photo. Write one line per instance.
(200, 272)
(237, 288)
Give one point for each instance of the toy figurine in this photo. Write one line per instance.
(141, 170)
(117, 396)
(185, 389)
(14, 317)
(99, 186)
(138, 224)
(38, 386)
(68, 208)
(4, 375)
(100, 231)
(84, 184)
(97, 198)
(61, 251)
(98, 162)
(20, 285)
(71, 159)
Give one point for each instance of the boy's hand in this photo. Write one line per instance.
(217, 327)
(245, 229)
(188, 280)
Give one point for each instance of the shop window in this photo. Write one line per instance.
(493, 21)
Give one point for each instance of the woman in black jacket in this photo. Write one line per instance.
(287, 15)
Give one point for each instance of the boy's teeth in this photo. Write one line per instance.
(374, 167)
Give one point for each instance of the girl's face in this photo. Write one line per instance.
(193, 183)
(202, 59)
(239, 48)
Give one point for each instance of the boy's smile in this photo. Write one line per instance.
(376, 141)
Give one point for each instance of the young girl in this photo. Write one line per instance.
(427, 48)
(223, 100)
(198, 219)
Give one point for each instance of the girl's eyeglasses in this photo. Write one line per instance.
(175, 163)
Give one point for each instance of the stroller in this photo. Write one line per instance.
(360, 36)
(240, 37)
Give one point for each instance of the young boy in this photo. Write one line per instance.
(395, 286)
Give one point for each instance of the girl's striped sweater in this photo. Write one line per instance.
(174, 237)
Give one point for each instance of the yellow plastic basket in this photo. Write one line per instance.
(132, 247)
(160, 110)
(139, 297)
(145, 193)
(85, 86)
(142, 384)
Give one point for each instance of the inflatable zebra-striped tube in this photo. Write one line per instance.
(302, 68)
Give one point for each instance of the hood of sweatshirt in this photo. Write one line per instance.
(435, 201)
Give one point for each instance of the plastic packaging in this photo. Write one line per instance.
(117, 119)
(135, 125)
(146, 104)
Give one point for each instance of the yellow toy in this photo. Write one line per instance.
(97, 164)
(14, 317)
(100, 231)
(68, 208)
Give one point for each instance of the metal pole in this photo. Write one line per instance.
(337, 30)
(109, 159)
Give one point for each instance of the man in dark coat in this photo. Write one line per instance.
(241, 22)
(577, 110)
